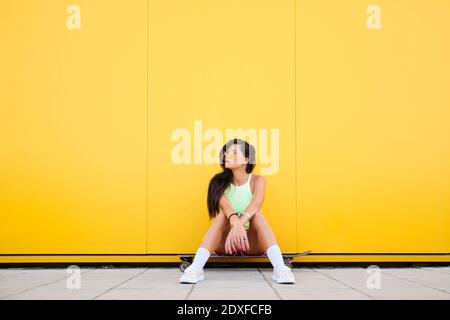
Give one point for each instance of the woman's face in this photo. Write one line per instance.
(234, 157)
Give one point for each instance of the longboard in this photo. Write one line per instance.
(186, 259)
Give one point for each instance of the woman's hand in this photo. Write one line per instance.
(237, 239)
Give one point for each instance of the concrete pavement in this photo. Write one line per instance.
(225, 283)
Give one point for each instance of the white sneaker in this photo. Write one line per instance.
(192, 275)
(283, 275)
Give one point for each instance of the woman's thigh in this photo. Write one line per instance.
(221, 247)
(256, 248)
(255, 245)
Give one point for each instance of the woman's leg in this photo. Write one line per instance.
(257, 248)
(266, 241)
(210, 242)
(214, 237)
(259, 235)
(262, 236)
(220, 249)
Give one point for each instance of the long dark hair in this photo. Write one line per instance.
(222, 180)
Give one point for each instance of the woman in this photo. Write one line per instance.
(235, 197)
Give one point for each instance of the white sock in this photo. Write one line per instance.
(275, 256)
(201, 256)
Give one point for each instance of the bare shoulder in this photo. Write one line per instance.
(258, 180)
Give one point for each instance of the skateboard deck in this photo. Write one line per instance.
(186, 259)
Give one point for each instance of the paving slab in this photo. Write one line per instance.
(341, 283)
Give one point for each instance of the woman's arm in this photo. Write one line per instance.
(235, 239)
(227, 209)
(257, 201)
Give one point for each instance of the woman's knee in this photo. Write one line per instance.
(220, 218)
(220, 222)
(258, 219)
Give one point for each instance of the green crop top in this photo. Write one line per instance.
(240, 197)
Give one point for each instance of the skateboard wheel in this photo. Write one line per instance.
(184, 265)
(288, 262)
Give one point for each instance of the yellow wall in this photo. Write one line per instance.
(89, 119)
(73, 128)
(373, 127)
